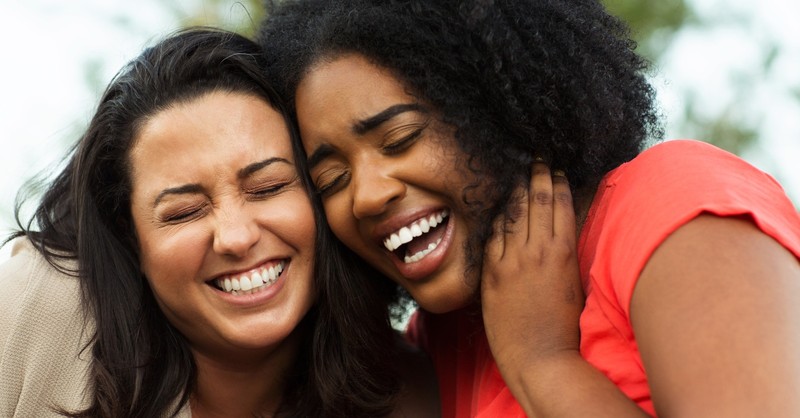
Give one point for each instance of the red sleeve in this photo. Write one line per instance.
(672, 183)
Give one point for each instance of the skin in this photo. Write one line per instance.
(707, 329)
(216, 193)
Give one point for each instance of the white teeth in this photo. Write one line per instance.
(405, 235)
(395, 241)
(418, 228)
(255, 278)
(252, 282)
(420, 255)
(424, 226)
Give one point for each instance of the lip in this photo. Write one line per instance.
(257, 298)
(421, 269)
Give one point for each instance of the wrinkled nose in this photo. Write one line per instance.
(236, 233)
(374, 191)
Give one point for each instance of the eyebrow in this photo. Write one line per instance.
(363, 126)
(252, 168)
(322, 152)
(185, 189)
(196, 188)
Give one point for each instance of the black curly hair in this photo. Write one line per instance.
(517, 79)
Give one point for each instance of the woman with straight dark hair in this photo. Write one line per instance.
(174, 267)
(431, 128)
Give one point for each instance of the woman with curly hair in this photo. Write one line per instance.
(431, 128)
(175, 268)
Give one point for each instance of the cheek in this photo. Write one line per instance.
(339, 213)
(298, 225)
(171, 257)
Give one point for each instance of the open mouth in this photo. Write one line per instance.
(252, 281)
(415, 241)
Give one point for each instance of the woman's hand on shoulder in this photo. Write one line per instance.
(531, 291)
(532, 298)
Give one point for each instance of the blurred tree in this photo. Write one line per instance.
(242, 16)
(654, 25)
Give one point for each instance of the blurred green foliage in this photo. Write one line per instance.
(654, 24)
(225, 14)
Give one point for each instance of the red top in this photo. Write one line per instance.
(470, 384)
(636, 207)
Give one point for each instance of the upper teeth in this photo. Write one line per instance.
(419, 227)
(251, 281)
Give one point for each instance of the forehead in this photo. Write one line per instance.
(218, 130)
(349, 79)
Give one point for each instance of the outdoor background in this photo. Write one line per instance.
(727, 72)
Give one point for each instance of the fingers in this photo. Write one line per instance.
(546, 206)
(540, 215)
(564, 225)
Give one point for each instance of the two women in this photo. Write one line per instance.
(430, 129)
(176, 266)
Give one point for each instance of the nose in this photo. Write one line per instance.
(236, 232)
(374, 190)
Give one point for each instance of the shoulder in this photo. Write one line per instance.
(673, 182)
(32, 285)
(644, 201)
(43, 333)
(693, 168)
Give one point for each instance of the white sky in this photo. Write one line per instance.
(46, 99)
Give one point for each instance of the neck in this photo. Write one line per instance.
(244, 383)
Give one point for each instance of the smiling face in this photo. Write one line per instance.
(390, 178)
(225, 227)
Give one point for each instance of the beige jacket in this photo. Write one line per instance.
(43, 364)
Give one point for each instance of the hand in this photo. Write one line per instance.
(531, 291)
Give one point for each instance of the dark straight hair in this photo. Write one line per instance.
(141, 365)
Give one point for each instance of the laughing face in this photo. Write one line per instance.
(390, 178)
(225, 227)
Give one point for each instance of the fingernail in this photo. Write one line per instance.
(538, 159)
(559, 173)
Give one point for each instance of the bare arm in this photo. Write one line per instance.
(716, 313)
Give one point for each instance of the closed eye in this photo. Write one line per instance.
(403, 143)
(329, 183)
(270, 190)
(184, 215)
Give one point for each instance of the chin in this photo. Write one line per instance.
(440, 301)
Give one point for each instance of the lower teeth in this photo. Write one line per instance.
(420, 255)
